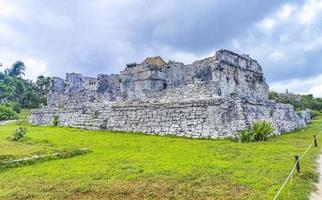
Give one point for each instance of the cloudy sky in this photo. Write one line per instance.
(53, 37)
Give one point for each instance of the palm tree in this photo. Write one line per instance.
(17, 69)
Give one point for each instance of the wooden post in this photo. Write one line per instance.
(297, 164)
(315, 142)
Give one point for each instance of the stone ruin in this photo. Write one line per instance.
(210, 98)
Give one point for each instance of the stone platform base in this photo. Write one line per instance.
(211, 118)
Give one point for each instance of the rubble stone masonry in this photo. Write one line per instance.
(210, 98)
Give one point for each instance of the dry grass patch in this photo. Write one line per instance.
(162, 188)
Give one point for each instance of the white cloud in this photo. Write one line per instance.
(284, 46)
(286, 11)
(267, 24)
(276, 56)
(316, 90)
(313, 45)
(276, 18)
(7, 57)
(186, 58)
(310, 11)
(35, 67)
(302, 86)
(12, 9)
(7, 33)
(80, 36)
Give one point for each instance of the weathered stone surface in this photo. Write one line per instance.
(212, 97)
(157, 60)
(213, 118)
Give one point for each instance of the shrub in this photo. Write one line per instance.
(20, 133)
(56, 120)
(261, 129)
(315, 114)
(7, 113)
(245, 136)
(13, 105)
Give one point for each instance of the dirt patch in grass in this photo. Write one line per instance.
(148, 188)
(161, 188)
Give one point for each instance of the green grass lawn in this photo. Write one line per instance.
(135, 166)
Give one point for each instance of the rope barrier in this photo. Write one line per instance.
(293, 169)
(307, 149)
(288, 178)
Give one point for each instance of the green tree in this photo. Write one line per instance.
(16, 92)
(273, 95)
(43, 84)
(305, 101)
(17, 69)
(7, 113)
(2, 76)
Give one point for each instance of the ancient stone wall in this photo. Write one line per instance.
(109, 86)
(142, 79)
(214, 118)
(228, 73)
(213, 97)
(240, 61)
